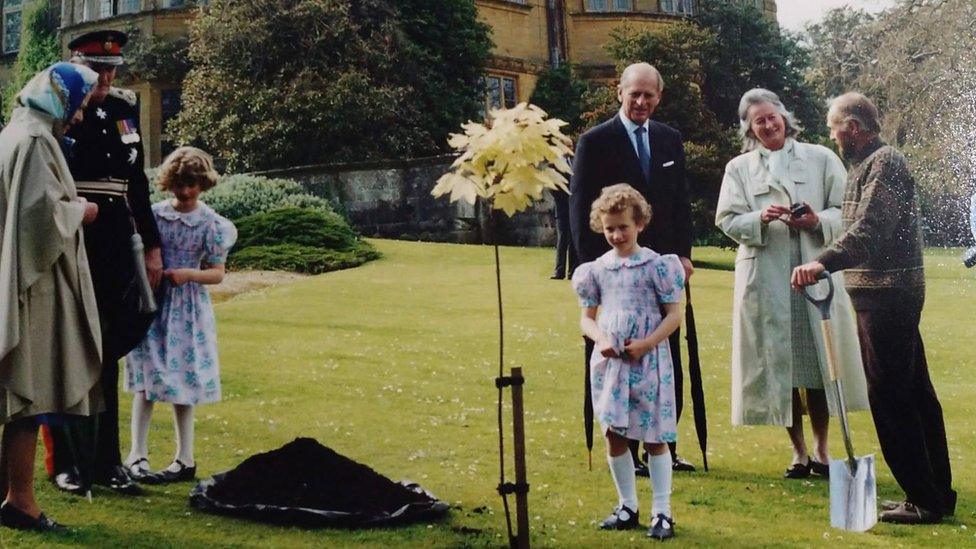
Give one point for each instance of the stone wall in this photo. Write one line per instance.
(391, 199)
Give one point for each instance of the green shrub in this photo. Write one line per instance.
(300, 259)
(299, 226)
(241, 195)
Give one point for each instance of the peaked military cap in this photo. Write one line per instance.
(102, 46)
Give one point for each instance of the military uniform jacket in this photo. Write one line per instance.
(108, 147)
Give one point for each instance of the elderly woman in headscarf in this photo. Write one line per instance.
(49, 333)
(780, 201)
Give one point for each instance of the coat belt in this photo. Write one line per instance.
(106, 187)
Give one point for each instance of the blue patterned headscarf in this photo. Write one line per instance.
(58, 90)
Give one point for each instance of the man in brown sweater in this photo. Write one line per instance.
(881, 256)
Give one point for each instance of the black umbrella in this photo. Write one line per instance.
(587, 399)
(694, 371)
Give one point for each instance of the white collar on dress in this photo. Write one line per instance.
(166, 210)
(612, 261)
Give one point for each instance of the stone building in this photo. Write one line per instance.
(529, 35)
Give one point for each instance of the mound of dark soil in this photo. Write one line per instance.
(307, 483)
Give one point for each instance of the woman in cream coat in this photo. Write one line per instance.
(777, 349)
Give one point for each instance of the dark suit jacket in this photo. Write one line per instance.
(605, 156)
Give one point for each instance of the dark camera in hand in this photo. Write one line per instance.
(969, 258)
(799, 210)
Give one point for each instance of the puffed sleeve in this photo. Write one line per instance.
(584, 283)
(220, 238)
(668, 277)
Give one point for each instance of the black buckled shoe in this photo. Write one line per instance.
(138, 469)
(909, 513)
(680, 464)
(819, 469)
(118, 480)
(662, 527)
(799, 470)
(167, 476)
(12, 517)
(623, 518)
(69, 482)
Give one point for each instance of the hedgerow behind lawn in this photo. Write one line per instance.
(392, 364)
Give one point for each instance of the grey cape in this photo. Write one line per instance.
(50, 340)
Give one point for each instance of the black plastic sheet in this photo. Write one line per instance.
(304, 483)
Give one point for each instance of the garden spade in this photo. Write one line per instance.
(853, 485)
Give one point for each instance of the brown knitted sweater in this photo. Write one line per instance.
(881, 249)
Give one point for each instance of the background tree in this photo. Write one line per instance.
(839, 45)
(39, 47)
(315, 82)
(559, 92)
(917, 62)
(751, 51)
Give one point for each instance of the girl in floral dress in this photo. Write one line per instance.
(631, 304)
(177, 361)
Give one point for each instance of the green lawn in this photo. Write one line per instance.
(392, 364)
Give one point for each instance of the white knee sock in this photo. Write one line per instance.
(141, 415)
(622, 471)
(183, 415)
(660, 469)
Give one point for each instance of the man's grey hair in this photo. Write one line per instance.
(632, 70)
(757, 96)
(857, 107)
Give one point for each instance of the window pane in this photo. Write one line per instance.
(509, 84)
(596, 5)
(130, 6)
(494, 93)
(621, 5)
(12, 4)
(174, 3)
(667, 6)
(11, 31)
(105, 8)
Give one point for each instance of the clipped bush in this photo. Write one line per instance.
(298, 226)
(240, 195)
(237, 196)
(300, 259)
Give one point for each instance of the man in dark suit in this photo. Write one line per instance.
(649, 156)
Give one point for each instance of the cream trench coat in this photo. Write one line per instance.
(762, 376)
(50, 339)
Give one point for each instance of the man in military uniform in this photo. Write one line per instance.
(106, 161)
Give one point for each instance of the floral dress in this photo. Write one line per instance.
(633, 398)
(177, 360)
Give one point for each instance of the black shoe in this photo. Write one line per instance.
(662, 527)
(623, 518)
(819, 469)
(12, 517)
(556, 277)
(890, 505)
(138, 469)
(69, 482)
(909, 513)
(166, 476)
(640, 469)
(118, 480)
(799, 470)
(679, 464)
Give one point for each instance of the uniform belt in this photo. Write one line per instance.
(111, 188)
